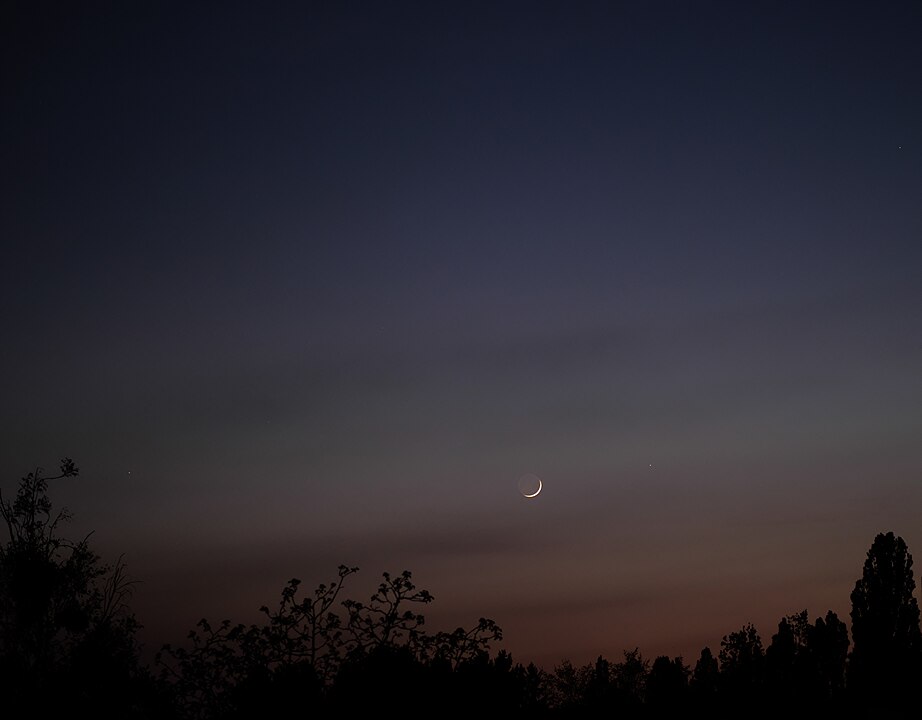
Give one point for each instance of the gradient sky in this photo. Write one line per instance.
(315, 283)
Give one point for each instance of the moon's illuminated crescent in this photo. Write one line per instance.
(530, 485)
(535, 493)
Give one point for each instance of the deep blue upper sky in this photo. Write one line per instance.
(316, 283)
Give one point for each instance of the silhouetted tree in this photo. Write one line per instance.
(385, 620)
(805, 664)
(385, 641)
(704, 681)
(667, 685)
(307, 631)
(741, 665)
(496, 685)
(535, 690)
(786, 660)
(385, 675)
(600, 692)
(884, 664)
(599, 688)
(630, 679)
(307, 656)
(227, 668)
(828, 642)
(462, 644)
(569, 686)
(219, 660)
(67, 636)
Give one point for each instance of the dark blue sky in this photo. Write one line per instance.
(316, 283)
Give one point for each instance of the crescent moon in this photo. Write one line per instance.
(535, 493)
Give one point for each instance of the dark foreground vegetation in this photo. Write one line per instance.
(68, 645)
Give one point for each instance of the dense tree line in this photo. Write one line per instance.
(67, 644)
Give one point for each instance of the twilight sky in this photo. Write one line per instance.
(302, 284)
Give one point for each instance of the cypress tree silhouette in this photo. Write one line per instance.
(884, 663)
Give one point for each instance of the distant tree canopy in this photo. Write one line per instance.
(67, 644)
